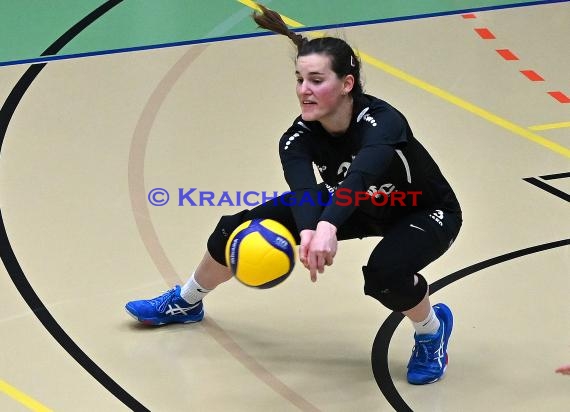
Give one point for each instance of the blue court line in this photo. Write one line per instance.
(45, 59)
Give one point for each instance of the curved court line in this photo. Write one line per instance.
(381, 343)
(442, 94)
(151, 240)
(22, 398)
(6, 252)
(135, 168)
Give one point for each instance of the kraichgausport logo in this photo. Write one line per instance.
(384, 195)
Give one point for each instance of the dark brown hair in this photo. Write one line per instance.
(343, 59)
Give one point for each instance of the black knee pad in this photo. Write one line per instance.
(394, 290)
(219, 237)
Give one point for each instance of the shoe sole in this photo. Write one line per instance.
(155, 322)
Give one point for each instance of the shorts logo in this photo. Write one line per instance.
(437, 215)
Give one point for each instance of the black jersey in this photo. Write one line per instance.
(377, 154)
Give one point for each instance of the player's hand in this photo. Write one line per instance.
(306, 237)
(564, 370)
(322, 249)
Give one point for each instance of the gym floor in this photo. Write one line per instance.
(103, 102)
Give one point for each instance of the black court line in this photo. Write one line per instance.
(379, 356)
(265, 33)
(7, 254)
(555, 176)
(546, 187)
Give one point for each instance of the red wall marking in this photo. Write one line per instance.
(507, 54)
(485, 34)
(469, 16)
(532, 75)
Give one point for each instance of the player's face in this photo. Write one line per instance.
(319, 89)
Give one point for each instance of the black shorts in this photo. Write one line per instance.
(414, 241)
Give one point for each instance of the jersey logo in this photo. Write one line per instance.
(343, 168)
(371, 120)
(361, 114)
(367, 118)
(386, 188)
(292, 139)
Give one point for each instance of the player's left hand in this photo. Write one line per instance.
(306, 238)
(322, 249)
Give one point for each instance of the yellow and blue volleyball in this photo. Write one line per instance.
(261, 253)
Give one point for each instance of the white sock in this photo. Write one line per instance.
(192, 292)
(428, 326)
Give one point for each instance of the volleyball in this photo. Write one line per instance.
(261, 253)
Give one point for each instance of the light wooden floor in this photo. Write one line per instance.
(91, 137)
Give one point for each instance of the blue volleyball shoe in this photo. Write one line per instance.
(429, 356)
(166, 308)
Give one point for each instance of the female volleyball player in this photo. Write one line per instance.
(359, 144)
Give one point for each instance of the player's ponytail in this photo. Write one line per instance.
(344, 60)
(271, 20)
